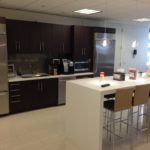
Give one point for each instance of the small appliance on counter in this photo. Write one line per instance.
(120, 76)
(132, 73)
(53, 65)
(67, 66)
(81, 66)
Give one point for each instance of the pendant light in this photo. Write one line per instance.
(105, 41)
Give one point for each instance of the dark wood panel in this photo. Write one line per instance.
(103, 30)
(2, 20)
(82, 42)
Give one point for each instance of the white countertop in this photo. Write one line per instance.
(19, 78)
(95, 83)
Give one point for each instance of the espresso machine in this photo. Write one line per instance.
(53, 65)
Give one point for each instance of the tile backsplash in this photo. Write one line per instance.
(28, 63)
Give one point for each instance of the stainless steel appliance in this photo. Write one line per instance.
(4, 100)
(67, 66)
(62, 89)
(104, 53)
(82, 66)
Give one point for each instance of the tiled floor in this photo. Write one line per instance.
(42, 129)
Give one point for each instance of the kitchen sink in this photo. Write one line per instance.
(34, 75)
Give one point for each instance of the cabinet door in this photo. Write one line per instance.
(13, 35)
(88, 44)
(30, 94)
(82, 42)
(33, 31)
(65, 41)
(50, 92)
(60, 40)
(46, 38)
(23, 36)
(77, 42)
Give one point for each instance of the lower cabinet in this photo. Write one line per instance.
(29, 95)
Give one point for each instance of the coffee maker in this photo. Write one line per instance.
(54, 66)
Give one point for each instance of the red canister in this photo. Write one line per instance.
(101, 75)
(132, 73)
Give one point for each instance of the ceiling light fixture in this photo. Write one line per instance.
(87, 11)
(142, 19)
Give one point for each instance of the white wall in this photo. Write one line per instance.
(125, 34)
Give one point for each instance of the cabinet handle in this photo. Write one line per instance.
(16, 101)
(63, 47)
(16, 45)
(40, 47)
(15, 90)
(13, 84)
(41, 87)
(15, 96)
(38, 85)
(84, 51)
(43, 46)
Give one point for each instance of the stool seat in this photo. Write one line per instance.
(109, 104)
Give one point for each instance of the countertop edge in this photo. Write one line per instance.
(19, 78)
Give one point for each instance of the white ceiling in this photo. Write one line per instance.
(122, 10)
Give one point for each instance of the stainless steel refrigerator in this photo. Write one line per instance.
(4, 99)
(104, 54)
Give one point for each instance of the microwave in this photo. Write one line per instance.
(81, 66)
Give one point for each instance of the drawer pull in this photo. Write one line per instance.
(15, 90)
(15, 96)
(13, 84)
(17, 101)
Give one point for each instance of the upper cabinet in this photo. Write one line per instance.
(82, 42)
(61, 35)
(33, 37)
(23, 36)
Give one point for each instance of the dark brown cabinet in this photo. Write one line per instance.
(29, 95)
(23, 36)
(61, 35)
(33, 37)
(82, 42)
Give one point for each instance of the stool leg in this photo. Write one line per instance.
(147, 122)
(128, 121)
(131, 128)
(138, 113)
(120, 121)
(113, 130)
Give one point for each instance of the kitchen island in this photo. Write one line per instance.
(84, 99)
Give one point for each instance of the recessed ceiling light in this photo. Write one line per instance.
(142, 19)
(87, 11)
